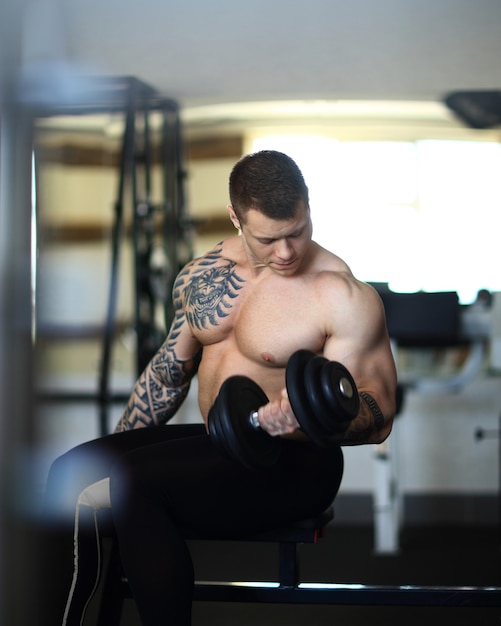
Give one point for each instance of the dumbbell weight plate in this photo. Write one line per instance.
(216, 429)
(298, 397)
(324, 413)
(230, 427)
(325, 383)
(340, 390)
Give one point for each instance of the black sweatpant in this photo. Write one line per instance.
(169, 477)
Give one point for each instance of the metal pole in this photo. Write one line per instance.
(125, 170)
(17, 428)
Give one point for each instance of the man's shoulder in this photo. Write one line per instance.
(218, 255)
(327, 261)
(334, 276)
(331, 269)
(215, 268)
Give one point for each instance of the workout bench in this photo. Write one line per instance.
(285, 590)
(289, 589)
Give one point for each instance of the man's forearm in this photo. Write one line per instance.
(161, 388)
(151, 404)
(370, 425)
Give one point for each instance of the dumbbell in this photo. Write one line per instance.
(323, 396)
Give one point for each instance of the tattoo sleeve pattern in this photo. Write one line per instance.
(210, 291)
(203, 294)
(164, 384)
(156, 397)
(374, 409)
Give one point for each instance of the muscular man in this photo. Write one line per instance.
(242, 308)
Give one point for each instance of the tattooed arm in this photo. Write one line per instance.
(164, 384)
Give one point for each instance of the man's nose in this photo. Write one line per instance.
(283, 249)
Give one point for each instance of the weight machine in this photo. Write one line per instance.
(161, 233)
(431, 321)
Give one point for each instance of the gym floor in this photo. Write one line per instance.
(428, 556)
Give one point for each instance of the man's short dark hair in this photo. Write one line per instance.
(268, 181)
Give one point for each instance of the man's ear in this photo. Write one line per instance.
(233, 217)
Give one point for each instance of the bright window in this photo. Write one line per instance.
(419, 215)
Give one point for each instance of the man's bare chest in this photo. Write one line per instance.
(275, 323)
(266, 318)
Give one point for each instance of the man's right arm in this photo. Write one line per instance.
(165, 382)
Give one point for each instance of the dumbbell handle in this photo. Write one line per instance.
(254, 422)
(345, 387)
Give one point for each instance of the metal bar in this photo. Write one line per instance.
(80, 396)
(125, 170)
(170, 216)
(136, 241)
(288, 564)
(143, 237)
(347, 594)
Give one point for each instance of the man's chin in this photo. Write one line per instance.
(285, 269)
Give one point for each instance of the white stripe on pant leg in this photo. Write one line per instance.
(96, 496)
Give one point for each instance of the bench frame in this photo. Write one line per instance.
(289, 589)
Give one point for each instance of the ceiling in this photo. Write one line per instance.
(215, 52)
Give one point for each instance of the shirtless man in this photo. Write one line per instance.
(242, 308)
(255, 299)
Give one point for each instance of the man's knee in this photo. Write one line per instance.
(68, 475)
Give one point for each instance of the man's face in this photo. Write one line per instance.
(280, 245)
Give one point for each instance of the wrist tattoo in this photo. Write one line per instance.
(374, 409)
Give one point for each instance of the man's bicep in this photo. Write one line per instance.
(362, 346)
(357, 329)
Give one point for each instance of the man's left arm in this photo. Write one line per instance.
(362, 345)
